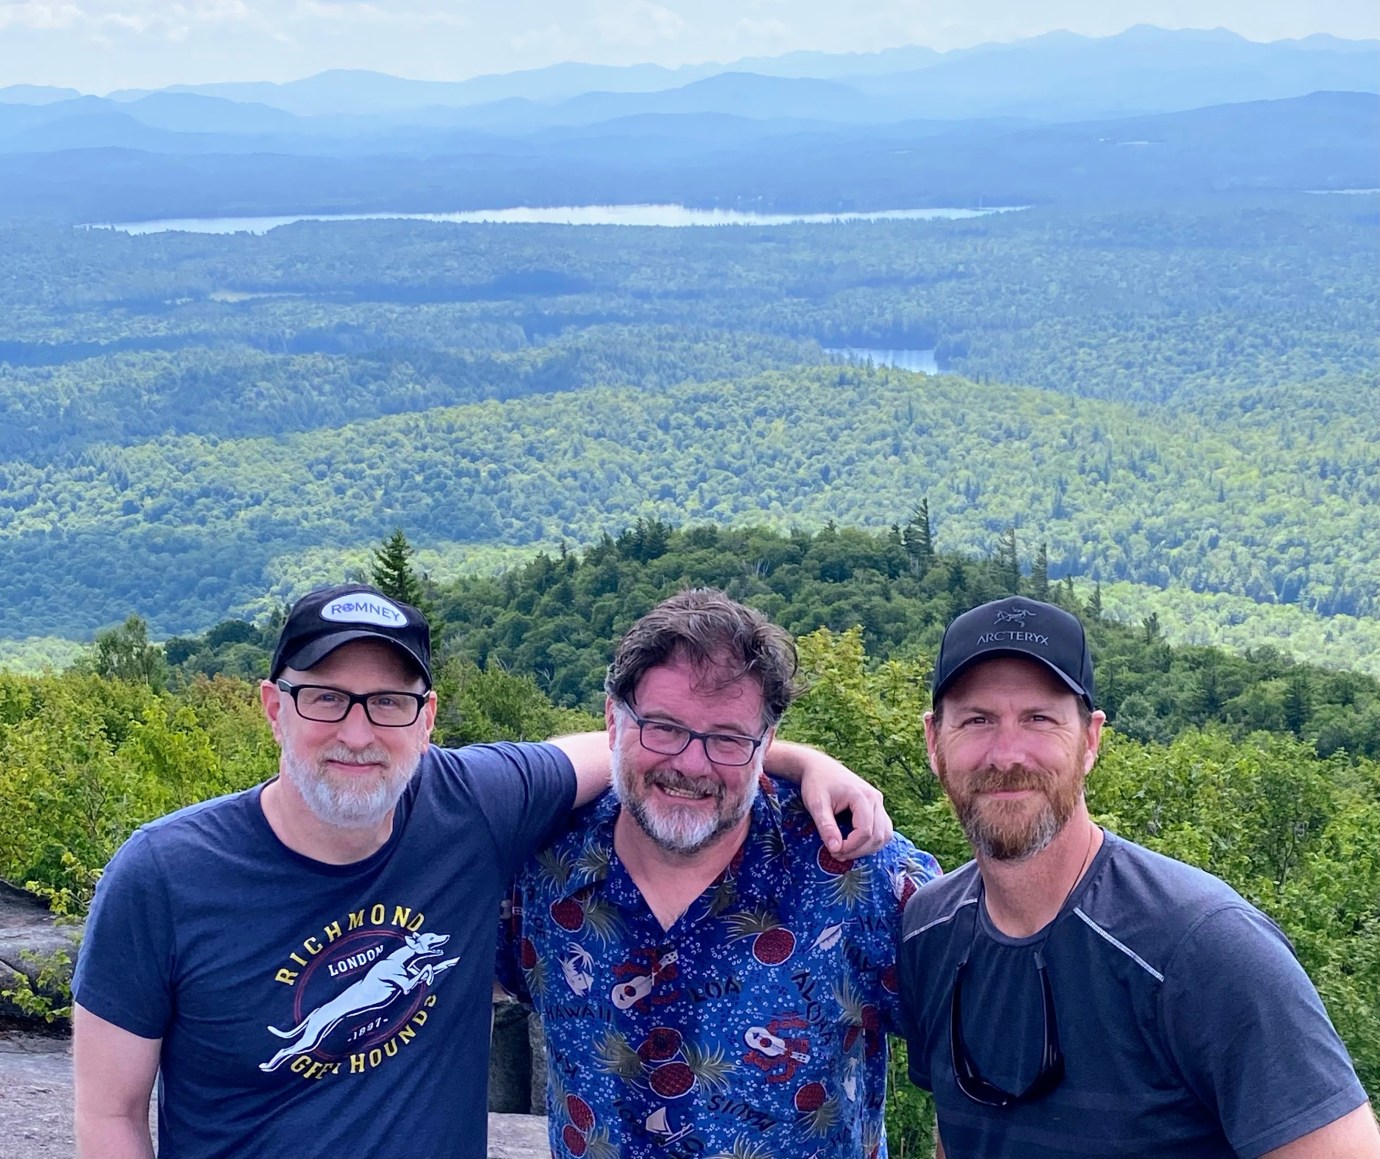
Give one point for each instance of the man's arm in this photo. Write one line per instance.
(826, 788)
(1353, 1136)
(589, 753)
(113, 1073)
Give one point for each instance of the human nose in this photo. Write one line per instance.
(693, 759)
(356, 725)
(1008, 745)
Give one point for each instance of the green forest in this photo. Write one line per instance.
(1259, 769)
(1178, 403)
(1165, 419)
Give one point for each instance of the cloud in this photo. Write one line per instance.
(38, 16)
(637, 23)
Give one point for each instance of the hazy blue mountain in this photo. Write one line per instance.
(104, 129)
(359, 91)
(1057, 76)
(1326, 42)
(19, 116)
(1323, 141)
(35, 94)
(193, 113)
(61, 124)
(834, 65)
(1063, 75)
(732, 93)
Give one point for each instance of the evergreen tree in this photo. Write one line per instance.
(1298, 701)
(918, 539)
(1009, 563)
(392, 572)
(1039, 574)
(1150, 625)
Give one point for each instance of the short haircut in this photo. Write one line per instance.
(719, 637)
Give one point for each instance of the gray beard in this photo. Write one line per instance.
(342, 806)
(993, 846)
(679, 835)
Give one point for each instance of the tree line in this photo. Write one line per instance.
(135, 730)
(551, 621)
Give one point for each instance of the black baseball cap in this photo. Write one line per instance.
(323, 620)
(1016, 626)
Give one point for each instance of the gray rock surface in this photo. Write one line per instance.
(29, 938)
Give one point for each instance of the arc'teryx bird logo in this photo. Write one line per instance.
(1017, 616)
(387, 979)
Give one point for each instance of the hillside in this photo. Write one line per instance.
(197, 424)
(181, 526)
(104, 164)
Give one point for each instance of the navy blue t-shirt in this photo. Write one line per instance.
(322, 1010)
(1187, 1025)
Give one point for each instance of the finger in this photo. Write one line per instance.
(882, 823)
(826, 825)
(871, 827)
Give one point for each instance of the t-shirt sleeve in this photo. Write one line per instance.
(125, 967)
(1249, 1033)
(525, 791)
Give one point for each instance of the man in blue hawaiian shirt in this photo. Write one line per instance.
(710, 979)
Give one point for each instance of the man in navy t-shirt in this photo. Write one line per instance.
(306, 966)
(1069, 993)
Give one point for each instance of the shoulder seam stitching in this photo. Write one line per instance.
(1130, 953)
(940, 921)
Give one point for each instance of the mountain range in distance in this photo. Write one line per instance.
(1058, 76)
(1149, 113)
(1324, 141)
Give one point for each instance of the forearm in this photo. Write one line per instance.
(829, 787)
(789, 760)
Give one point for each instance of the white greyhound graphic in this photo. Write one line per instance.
(387, 978)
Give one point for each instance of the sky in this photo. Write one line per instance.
(100, 45)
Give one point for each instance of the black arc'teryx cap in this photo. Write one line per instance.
(1016, 626)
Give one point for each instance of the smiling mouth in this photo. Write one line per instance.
(355, 766)
(683, 794)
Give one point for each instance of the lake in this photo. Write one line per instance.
(659, 215)
(920, 361)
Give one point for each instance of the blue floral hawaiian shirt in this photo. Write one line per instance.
(755, 1026)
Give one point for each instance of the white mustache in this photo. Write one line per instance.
(372, 755)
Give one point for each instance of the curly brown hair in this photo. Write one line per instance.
(722, 639)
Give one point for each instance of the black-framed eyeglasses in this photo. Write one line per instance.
(670, 740)
(966, 1074)
(332, 705)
